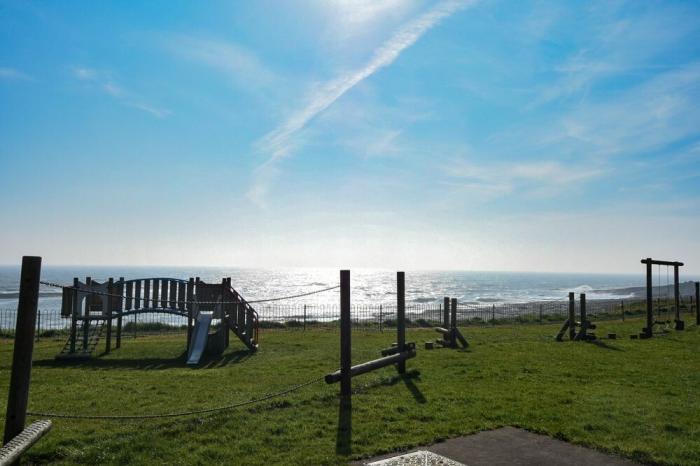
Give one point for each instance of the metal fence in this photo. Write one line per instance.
(380, 316)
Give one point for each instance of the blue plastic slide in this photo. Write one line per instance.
(199, 338)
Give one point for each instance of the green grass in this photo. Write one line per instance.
(636, 398)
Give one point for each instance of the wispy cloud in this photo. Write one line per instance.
(239, 63)
(538, 178)
(278, 143)
(14, 74)
(107, 84)
(617, 46)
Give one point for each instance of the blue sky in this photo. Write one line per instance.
(486, 135)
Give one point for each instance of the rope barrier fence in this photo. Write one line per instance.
(128, 417)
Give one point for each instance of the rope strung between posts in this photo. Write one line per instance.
(177, 302)
(128, 417)
(293, 296)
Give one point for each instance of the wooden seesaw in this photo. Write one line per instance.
(397, 354)
(450, 333)
(584, 325)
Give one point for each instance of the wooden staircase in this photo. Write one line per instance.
(241, 318)
(95, 329)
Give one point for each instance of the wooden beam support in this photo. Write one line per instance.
(650, 261)
(371, 365)
(649, 329)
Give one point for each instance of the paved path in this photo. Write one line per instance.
(516, 447)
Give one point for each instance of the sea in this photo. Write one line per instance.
(368, 286)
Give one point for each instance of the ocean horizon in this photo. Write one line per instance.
(369, 286)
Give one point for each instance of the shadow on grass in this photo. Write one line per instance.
(97, 362)
(602, 344)
(407, 379)
(343, 441)
(343, 444)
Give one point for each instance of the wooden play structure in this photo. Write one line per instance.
(583, 325)
(666, 308)
(451, 336)
(397, 354)
(94, 308)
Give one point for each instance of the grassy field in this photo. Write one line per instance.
(637, 399)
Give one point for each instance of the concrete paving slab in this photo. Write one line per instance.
(514, 447)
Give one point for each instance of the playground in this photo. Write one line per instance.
(188, 400)
(634, 398)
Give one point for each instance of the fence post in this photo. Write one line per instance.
(381, 319)
(446, 312)
(119, 319)
(453, 325)
(493, 315)
(401, 317)
(108, 340)
(622, 309)
(345, 336)
(572, 316)
(18, 394)
(697, 303)
(86, 321)
(540, 313)
(74, 316)
(304, 317)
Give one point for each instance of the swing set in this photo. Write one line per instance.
(666, 307)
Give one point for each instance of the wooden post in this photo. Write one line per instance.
(345, 336)
(137, 295)
(86, 315)
(401, 317)
(305, 317)
(493, 314)
(622, 309)
(540, 313)
(584, 316)
(697, 303)
(648, 331)
(453, 324)
(572, 316)
(156, 295)
(381, 319)
(129, 303)
(173, 294)
(18, 394)
(74, 316)
(446, 312)
(677, 297)
(110, 289)
(119, 319)
(190, 307)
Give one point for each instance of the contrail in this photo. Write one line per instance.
(276, 143)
